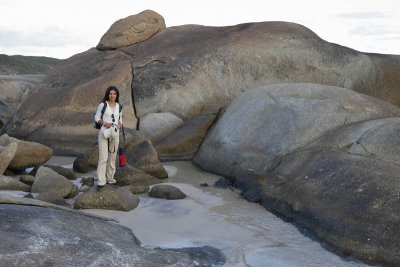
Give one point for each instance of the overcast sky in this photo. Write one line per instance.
(63, 28)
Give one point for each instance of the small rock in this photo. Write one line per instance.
(46, 179)
(143, 156)
(89, 181)
(137, 188)
(167, 192)
(204, 185)
(29, 196)
(110, 198)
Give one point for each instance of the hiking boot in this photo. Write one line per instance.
(100, 187)
(112, 181)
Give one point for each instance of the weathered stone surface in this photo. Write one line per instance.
(167, 192)
(9, 183)
(182, 69)
(45, 237)
(130, 175)
(46, 179)
(110, 197)
(143, 156)
(132, 30)
(264, 124)
(28, 154)
(137, 188)
(184, 141)
(60, 170)
(156, 124)
(7, 153)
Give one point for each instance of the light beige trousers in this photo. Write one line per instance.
(107, 156)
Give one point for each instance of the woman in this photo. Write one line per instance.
(108, 145)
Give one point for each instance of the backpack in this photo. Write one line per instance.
(98, 125)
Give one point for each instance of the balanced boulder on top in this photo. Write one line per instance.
(132, 30)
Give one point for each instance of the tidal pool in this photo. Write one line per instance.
(245, 232)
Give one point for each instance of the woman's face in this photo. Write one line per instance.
(112, 96)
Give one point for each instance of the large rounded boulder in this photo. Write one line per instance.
(180, 70)
(28, 154)
(324, 157)
(47, 179)
(263, 125)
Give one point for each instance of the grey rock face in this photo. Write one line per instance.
(167, 192)
(46, 237)
(324, 157)
(183, 142)
(154, 125)
(110, 197)
(266, 123)
(348, 201)
(9, 183)
(46, 180)
(143, 156)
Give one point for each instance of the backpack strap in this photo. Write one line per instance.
(103, 110)
(120, 110)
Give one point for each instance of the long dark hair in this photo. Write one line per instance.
(109, 89)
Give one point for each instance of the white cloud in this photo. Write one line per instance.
(64, 28)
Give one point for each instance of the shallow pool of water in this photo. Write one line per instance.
(246, 233)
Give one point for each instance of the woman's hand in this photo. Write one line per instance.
(108, 125)
(119, 125)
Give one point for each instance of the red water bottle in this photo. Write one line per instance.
(122, 157)
(122, 151)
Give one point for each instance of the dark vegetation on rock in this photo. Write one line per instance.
(26, 64)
